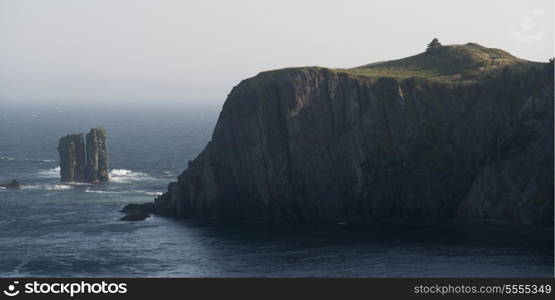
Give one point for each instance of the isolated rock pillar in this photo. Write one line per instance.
(71, 149)
(97, 156)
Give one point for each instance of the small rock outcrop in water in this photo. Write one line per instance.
(97, 156)
(137, 212)
(135, 217)
(80, 163)
(465, 133)
(138, 209)
(12, 185)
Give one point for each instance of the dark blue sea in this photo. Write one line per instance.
(51, 229)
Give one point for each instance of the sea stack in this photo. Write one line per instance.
(97, 156)
(80, 163)
(72, 158)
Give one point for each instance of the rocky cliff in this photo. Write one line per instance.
(97, 156)
(463, 133)
(71, 149)
(80, 163)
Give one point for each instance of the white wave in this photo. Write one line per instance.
(49, 187)
(77, 183)
(57, 187)
(124, 175)
(28, 159)
(54, 172)
(30, 187)
(154, 193)
(116, 175)
(88, 190)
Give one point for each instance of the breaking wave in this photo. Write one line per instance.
(50, 173)
(28, 159)
(124, 175)
(56, 187)
(45, 160)
(39, 160)
(49, 187)
(116, 175)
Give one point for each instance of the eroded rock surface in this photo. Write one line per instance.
(80, 163)
(71, 149)
(97, 156)
(321, 145)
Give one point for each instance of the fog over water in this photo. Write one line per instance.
(194, 52)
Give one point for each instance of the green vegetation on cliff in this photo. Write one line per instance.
(456, 64)
(458, 132)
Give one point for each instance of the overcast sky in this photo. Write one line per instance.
(136, 51)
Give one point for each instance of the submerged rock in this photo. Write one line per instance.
(12, 185)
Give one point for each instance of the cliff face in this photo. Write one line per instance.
(71, 149)
(80, 163)
(320, 145)
(97, 156)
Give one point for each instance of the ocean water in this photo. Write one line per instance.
(51, 229)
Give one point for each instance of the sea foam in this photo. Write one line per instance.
(50, 173)
(49, 187)
(124, 175)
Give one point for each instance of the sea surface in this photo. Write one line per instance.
(51, 229)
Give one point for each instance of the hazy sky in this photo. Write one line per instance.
(135, 51)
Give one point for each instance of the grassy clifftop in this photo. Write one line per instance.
(466, 63)
(447, 63)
